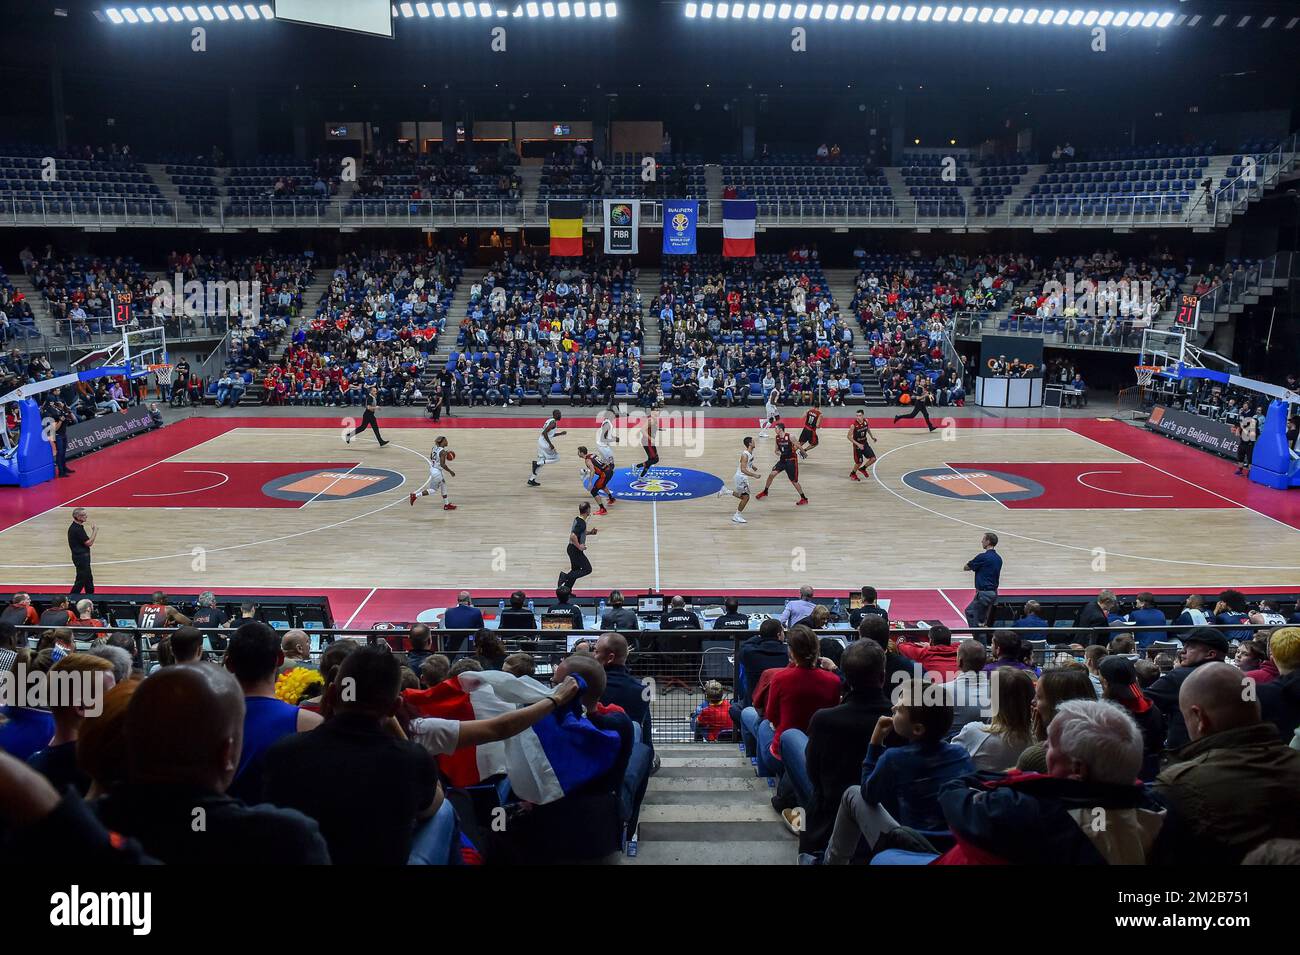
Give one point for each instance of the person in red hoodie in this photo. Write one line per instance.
(938, 658)
(795, 693)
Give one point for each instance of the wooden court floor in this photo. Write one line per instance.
(276, 502)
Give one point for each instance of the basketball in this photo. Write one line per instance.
(449, 456)
(904, 399)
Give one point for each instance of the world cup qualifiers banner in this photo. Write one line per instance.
(680, 218)
(622, 223)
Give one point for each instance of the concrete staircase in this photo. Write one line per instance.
(705, 806)
(843, 283)
(714, 185)
(450, 329)
(647, 283)
(530, 182)
(897, 185)
(45, 324)
(170, 191)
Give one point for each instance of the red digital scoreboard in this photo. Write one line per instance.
(1189, 309)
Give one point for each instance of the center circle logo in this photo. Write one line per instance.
(333, 484)
(973, 484)
(662, 484)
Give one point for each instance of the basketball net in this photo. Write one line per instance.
(1145, 374)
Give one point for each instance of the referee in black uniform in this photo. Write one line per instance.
(368, 420)
(920, 404)
(579, 565)
(80, 542)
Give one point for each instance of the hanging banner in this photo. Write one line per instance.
(622, 223)
(680, 218)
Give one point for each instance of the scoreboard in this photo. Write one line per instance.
(122, 309)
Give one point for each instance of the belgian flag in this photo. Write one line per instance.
(566, 226)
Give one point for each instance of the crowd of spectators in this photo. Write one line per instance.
(539, 326)
(376, 327)
(732, 330)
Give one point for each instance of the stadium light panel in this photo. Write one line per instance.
(469, 10)
(220, 13)
(267, 12)
(909, 13)
(580, 8)
(954, 14)
(113, 15)
(205, 13)
(1242, 22)
(940, 13)
(1031, 16)
(752, 11)
(422, 10)
(723, 10)
(784, 11)
(236, 13)
(144, 15)
(548, 10)
(1076, 17)
(769, 11)
(706, 10)
(453, 10)
(1044, 16)
(691, 11)
(1091, 18)
(846, 11)
(531, 8)
(1218, 21)
(1121, 18)
(594, 10)
(561, 8)
(129, 15)
(815, 12)
(1150, 20)
(1061, 17)
(174, 14)
(800, 11)
(1268, 22)
(878, 12)
(923, 14)
(611, 9)
(1016, 15)
(407, 10)
(832, 11)
(862, 12)
(893, 13)
(252, 12)
(970, 14)
(1000, 15)
(437, 9)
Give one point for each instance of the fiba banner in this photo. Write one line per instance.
(680, 219)
(622, 223)
(1204, 433)
(87, 436)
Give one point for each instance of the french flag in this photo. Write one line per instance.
(554, 757)
(738, 217)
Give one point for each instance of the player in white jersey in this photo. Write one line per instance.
(744, 471)
(773, 412)
(546, 452)
(439, 459)
(605, 437)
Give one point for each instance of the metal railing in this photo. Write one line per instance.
(1233, 197)
(1094, 333)
(1246, 280)
(1160, 210)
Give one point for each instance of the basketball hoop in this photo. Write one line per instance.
(1145, 374)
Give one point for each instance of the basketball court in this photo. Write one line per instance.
(283, 504)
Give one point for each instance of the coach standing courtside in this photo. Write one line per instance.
(988, 574)
(80, 542)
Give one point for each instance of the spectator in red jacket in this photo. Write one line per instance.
(795, 694)
(938, 657)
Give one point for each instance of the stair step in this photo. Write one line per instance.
(740, 832)
(699, 785)
(701, 762)
(771, 852)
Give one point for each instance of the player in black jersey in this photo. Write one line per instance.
(863, 455)
(787, 462)
(601, 471)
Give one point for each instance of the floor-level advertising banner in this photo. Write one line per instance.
(91, 435)
(622, 223)
(680, 218)
(1204, 433)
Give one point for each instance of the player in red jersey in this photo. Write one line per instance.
(787, 462)
(603, 471)
(863, 455)
(808, 436)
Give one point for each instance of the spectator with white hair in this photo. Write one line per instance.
(119, 658)
(796, 610)
(1094, 753)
